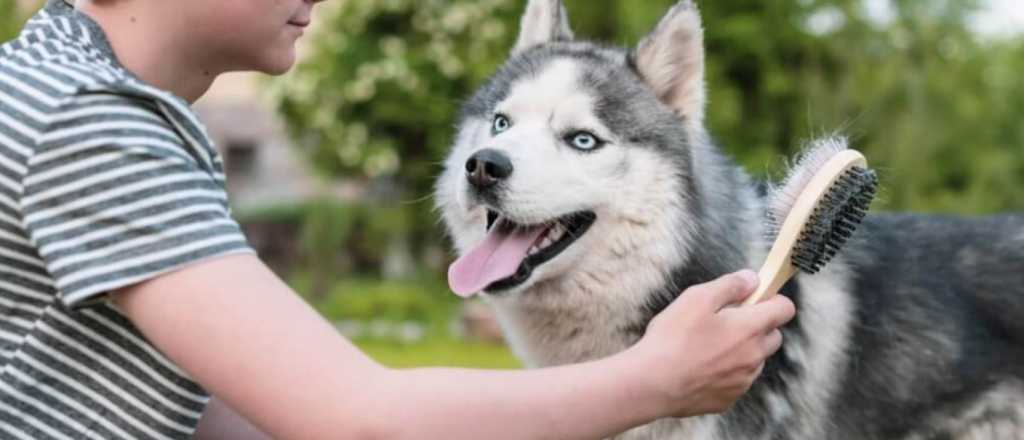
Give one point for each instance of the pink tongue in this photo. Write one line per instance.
(497, 257)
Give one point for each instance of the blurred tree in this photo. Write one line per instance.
(378, 96)
(934, 108)
(930, 104)
(385, 77)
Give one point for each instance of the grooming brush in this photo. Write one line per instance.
(821, 205)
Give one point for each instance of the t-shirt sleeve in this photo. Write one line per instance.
(112, 197)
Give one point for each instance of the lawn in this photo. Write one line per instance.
(440, 352)
(425, 303)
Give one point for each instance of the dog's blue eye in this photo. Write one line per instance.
(501, 123)
(584, 141)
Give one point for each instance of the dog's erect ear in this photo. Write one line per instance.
(671, 61)
(544, 21)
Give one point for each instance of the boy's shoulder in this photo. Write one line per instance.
(61, 82)
(55, 62)
(59, 58)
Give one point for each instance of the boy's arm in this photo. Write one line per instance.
(247, 338)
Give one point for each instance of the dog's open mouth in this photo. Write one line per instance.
(510, 252)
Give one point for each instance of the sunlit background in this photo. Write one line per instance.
(331, 166)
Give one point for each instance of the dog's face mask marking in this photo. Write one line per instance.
(538, 167)
(567, 138)
(560, 150)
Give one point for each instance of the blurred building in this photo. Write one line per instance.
(264, 168)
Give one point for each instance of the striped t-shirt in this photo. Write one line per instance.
(104, 182)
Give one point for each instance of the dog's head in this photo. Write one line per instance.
(574, 151)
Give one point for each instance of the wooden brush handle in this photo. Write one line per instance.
(778, 267)
(773, 275)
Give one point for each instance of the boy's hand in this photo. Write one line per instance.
(702, 353)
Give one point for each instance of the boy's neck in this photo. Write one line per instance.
(150, 47)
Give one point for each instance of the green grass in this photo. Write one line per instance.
(440, 353)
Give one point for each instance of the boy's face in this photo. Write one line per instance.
(248, 34)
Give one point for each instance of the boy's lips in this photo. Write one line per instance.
(300, 23)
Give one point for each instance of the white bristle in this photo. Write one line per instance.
(781, 198)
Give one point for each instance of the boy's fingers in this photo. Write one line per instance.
(730, 289)
(769, 314)
(759, 371)
(772, 342)
(727, 290)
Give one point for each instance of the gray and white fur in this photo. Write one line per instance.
(914, 331)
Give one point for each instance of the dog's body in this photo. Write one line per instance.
(914, 331)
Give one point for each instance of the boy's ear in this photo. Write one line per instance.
(671, 61)
(544, 21)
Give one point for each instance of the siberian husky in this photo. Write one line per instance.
(584, 194)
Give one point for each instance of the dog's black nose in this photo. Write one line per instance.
(488, 167)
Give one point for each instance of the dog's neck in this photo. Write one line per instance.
(729, 218)
(603, 305)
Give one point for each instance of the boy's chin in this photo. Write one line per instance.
(277, 63)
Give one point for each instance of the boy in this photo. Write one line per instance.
(125, 283)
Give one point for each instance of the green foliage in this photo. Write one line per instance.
(11, 19)
(325, 239)
(358, 231)
(380, 92)
(934, 108)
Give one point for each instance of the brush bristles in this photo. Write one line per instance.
(782, 198)
(835, 219)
